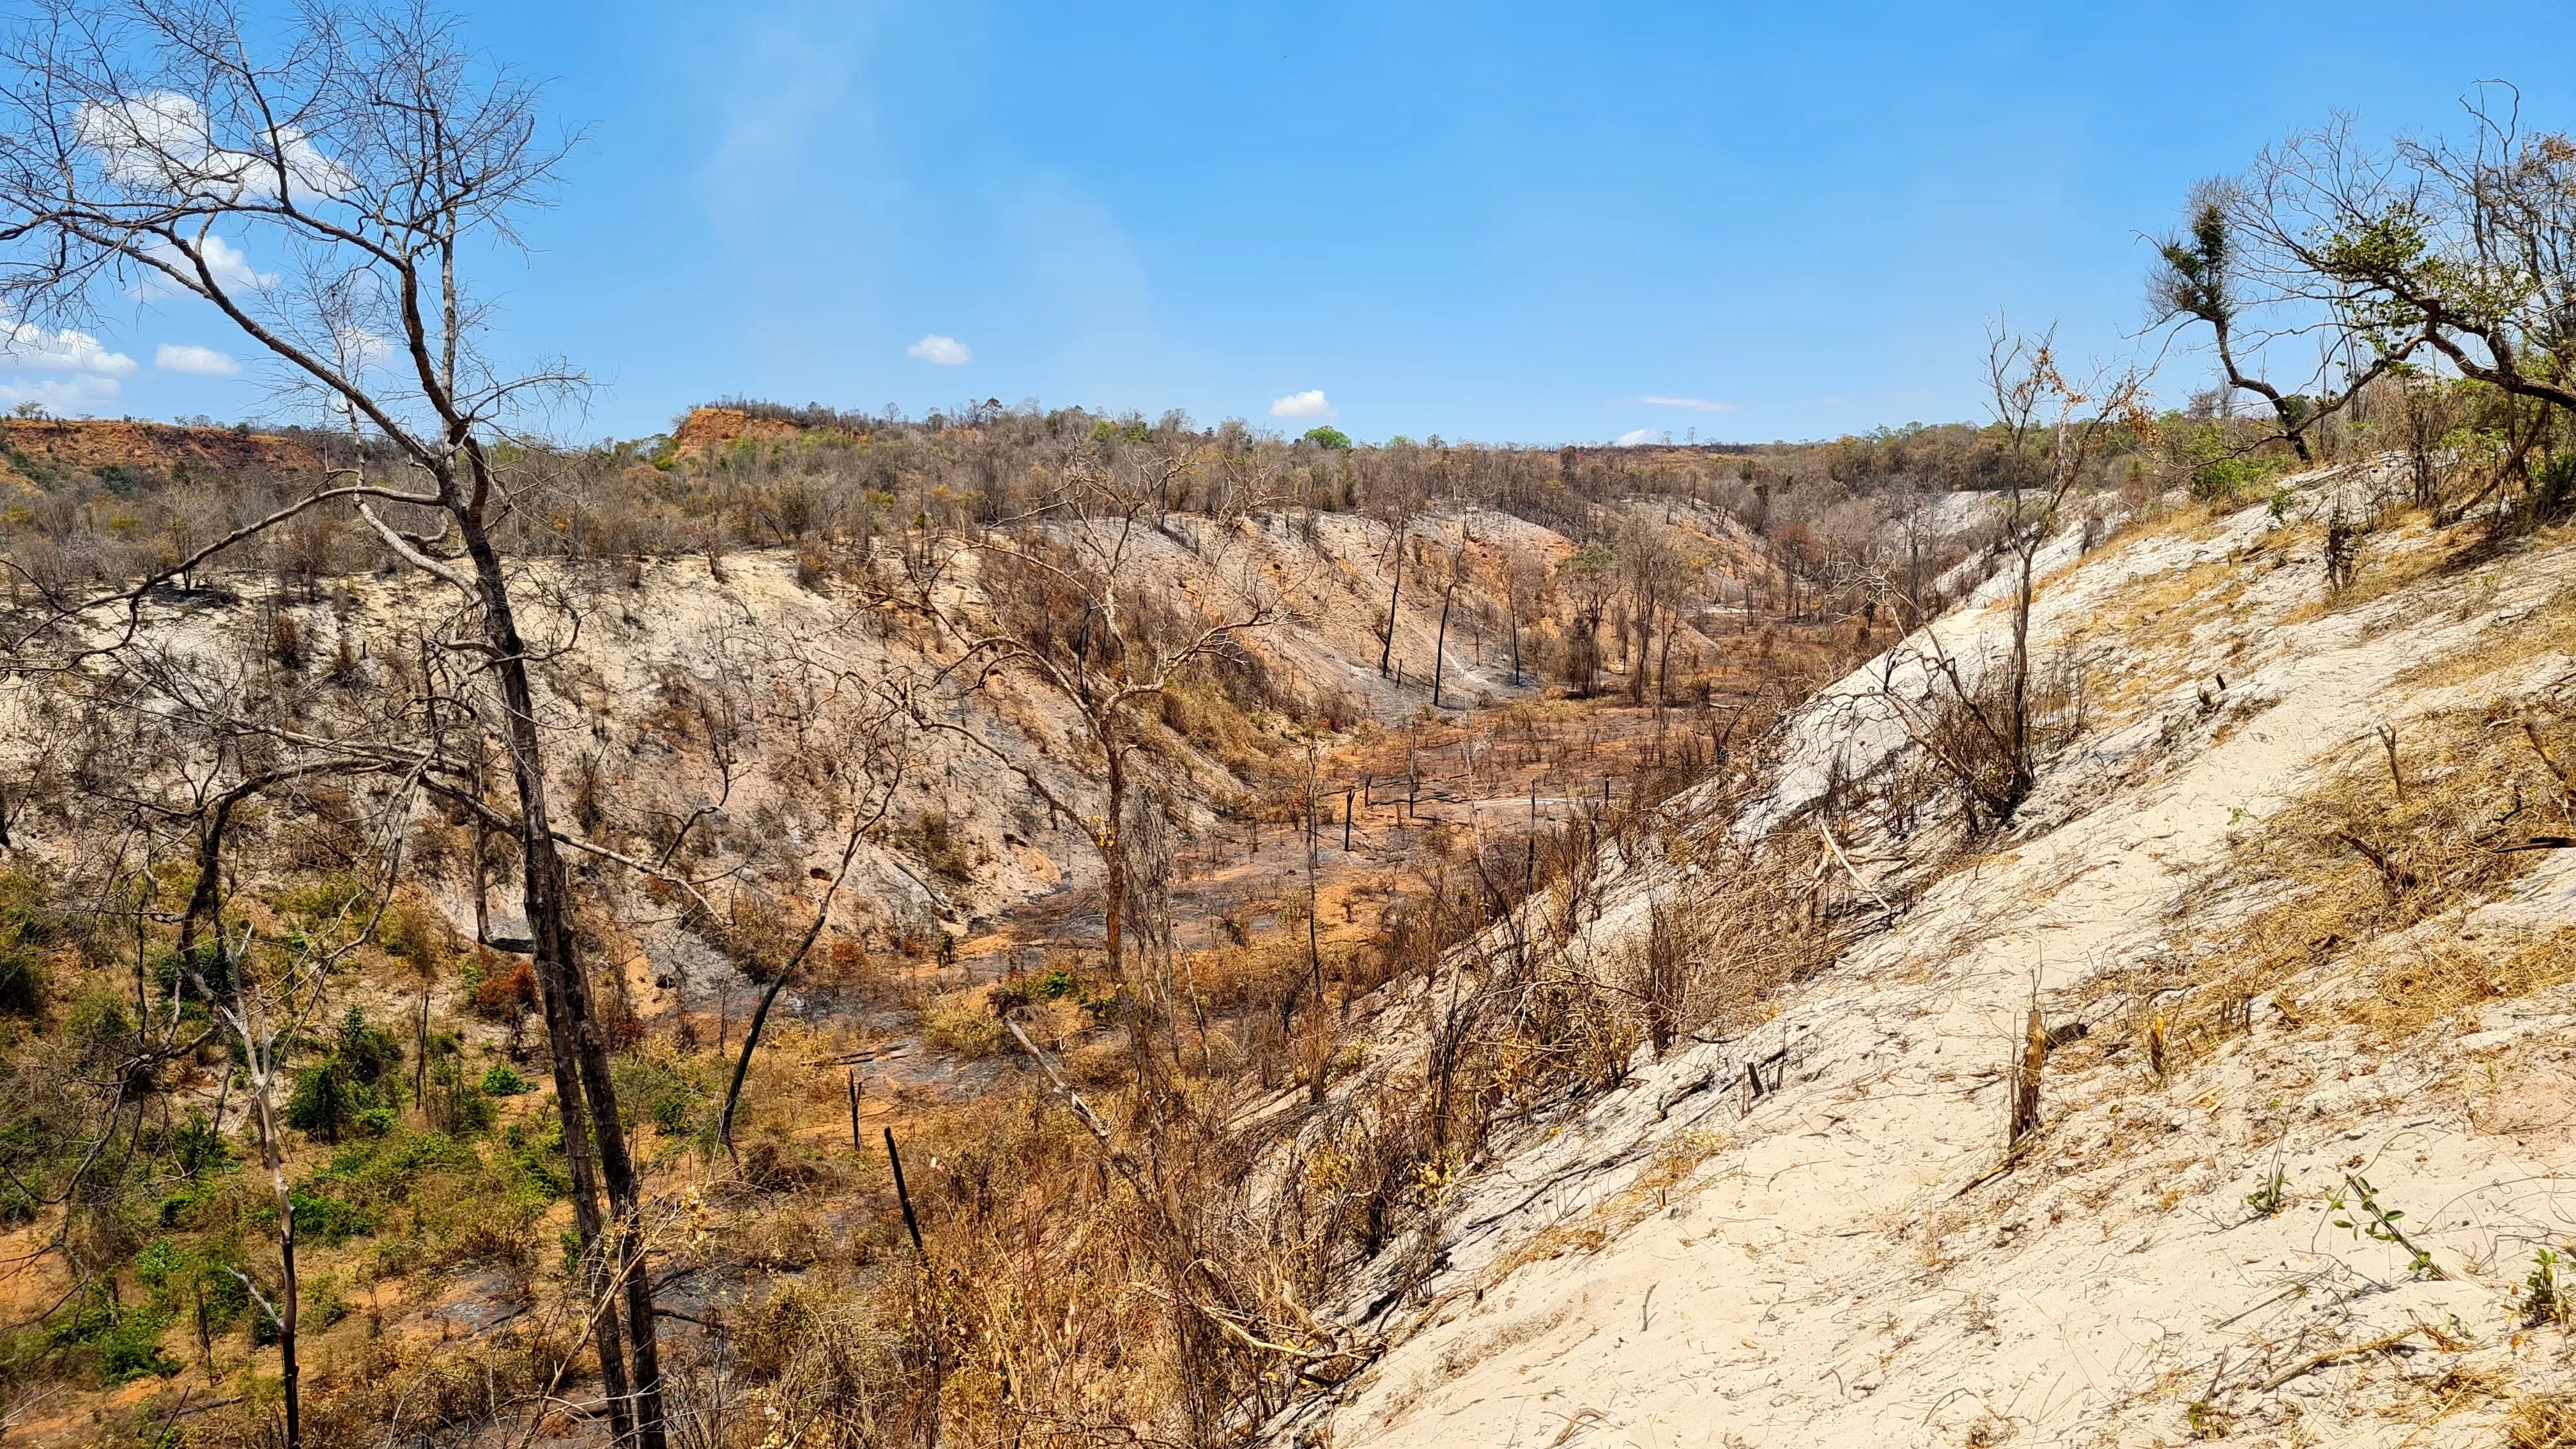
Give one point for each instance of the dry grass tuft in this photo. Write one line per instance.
(2548, 631)
(2152, 622)
(962, 1024)
(2331, 887)
(2394, 559)
(2541, 1421)
(2444, 981)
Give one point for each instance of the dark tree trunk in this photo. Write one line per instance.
(1386, 652)
(1440, 649)
(583, 1086)
(2292, 426)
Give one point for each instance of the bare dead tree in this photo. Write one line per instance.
(1063, 607)
(1977, 718)
(1307, 802)
(870, 732)
(151, 148)
(1394, 597)
(1448, 598)
(263, 1019)
(263, 1001)
(1524, 583)
(1653, 570)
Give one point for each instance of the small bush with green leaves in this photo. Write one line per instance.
(2270, 1195)
(2360, 1210)
(670, 1093)
(2220, 470)
(122, 1342)
(29, 927)
(455, 1100)
(2544, 1298)
(355, 1086)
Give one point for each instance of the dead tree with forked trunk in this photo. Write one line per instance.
(377, 158)
(1066, 605)
(1986, 722)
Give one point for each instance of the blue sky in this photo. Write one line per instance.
(1492, 221)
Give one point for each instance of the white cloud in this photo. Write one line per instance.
(360, 349)
(193, 360)
(62, 394)
(1307, 404)
(164, 145)
(26, 347)
(1694, 404)
(232, 269)
(941, 351)
(1638, 438)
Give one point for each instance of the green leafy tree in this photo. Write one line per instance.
(2452, 253)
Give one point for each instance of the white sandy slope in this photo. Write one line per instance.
(1822, 1278)
(634, 656)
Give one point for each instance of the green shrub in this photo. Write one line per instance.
(537, 1163)
(198, 1147)
(122, 1343)
(328, 1220)
(2553, 486)
(455, 1103)
(668, 1092)
(216, 1286)
(1058, 984)
(319, 1105)
(325, 1301)
(430, 1199)
(368, 1052)
(28, 925)
(205, 967)
(98, 1022)
(357, 1084)
(366, 1179)
(503, 1080)
(157, 1262)
(2218, 470)
(176, 1209)
(328, 898)
(185, 1280)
